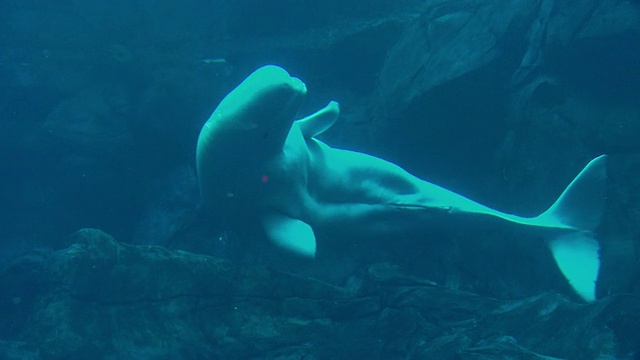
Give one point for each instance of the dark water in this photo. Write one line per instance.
(102, 102)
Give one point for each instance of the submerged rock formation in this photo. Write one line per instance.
(100, 299)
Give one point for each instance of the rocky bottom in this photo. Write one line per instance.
(101, 299)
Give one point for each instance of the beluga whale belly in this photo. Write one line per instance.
(260, 167)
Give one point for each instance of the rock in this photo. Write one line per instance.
(446, 42)
(515, 39)
(100, 299)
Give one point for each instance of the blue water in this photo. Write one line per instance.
(101, 104)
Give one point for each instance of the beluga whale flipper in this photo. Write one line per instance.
(259, 167)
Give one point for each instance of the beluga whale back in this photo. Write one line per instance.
(260, 167)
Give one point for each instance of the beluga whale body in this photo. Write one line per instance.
(258, 166)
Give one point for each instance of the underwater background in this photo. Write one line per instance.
(106, 254)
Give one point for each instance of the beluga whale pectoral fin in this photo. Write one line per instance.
(291, 234)
(318, 122)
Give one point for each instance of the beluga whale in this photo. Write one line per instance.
(260, 167)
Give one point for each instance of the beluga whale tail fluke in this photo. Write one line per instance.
(579, 207)
(260, 168)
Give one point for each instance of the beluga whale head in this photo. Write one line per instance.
(248, 128)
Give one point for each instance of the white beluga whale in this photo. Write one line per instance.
(259, 167)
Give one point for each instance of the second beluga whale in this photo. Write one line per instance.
(258, 166)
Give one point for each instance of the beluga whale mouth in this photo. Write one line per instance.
(260, 167)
